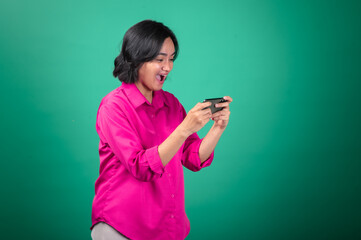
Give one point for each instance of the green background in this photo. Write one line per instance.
(288, 165)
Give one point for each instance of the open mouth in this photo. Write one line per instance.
(160, 77)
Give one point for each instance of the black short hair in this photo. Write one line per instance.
(141, 43)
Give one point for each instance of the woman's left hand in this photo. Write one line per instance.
(221, 118)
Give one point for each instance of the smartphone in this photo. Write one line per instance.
(214, 101)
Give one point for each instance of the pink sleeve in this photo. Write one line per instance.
(115, 130)
(190, 157)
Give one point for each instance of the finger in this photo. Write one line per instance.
(204, 120)
(228, 98)
(216, 119)
(206, 111)
(224, 105)
(203, 114)
(217, 114)
(223, 112)
(201, 106)
(205, 117)
(224, 118)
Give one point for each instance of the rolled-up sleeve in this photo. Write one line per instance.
(116, 130)
(190, 158)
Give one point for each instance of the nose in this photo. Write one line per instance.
(167, 66)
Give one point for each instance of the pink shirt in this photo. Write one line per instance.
(135, 193)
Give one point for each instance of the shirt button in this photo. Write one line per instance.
(172, 195)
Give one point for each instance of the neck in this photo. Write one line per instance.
(148, 94)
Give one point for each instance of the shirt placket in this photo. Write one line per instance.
(171, 194)
(172, 205)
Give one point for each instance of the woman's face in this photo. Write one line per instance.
(152, 74)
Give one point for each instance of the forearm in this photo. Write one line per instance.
(193, 122)
(209, 142)
(172, 144)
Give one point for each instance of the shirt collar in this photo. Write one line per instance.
(137, 98)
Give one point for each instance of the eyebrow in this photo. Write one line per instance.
(164, 54)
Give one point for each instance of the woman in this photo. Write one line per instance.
(145, 139)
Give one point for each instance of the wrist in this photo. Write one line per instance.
(218, 128)
(183, 131)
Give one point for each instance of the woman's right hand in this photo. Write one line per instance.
(196, 118)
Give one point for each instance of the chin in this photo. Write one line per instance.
(158, 87)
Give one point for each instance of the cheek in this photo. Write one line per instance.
(142, 71)
(153, 68)
(145, 70)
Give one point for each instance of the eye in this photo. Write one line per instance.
(159, 60)
(172, 59)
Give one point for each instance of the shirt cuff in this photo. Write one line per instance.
(154, 161)
(195, 159)
(208, 161)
